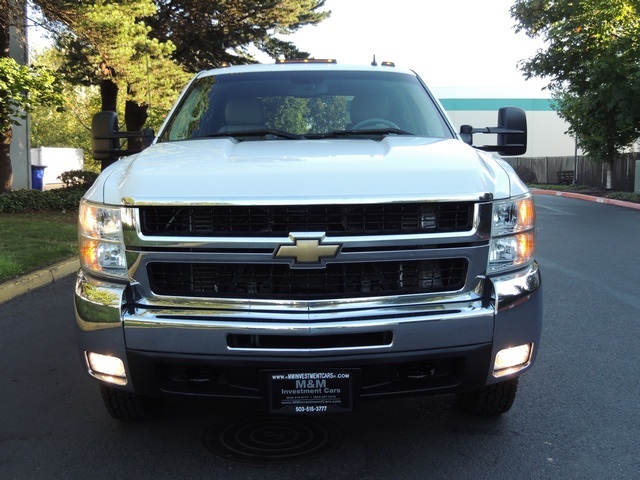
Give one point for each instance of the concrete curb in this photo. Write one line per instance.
(37, 279)
(589, 198)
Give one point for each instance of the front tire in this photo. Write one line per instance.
(490, 400)
(127, 406)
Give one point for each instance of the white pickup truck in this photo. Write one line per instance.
(309, 235)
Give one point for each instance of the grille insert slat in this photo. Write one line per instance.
(369, 219)
(280, 281)
(295, 342)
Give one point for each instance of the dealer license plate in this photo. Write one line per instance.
(310, 392)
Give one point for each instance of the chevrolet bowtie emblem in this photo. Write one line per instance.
(307, 250)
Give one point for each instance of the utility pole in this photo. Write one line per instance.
(14, 45)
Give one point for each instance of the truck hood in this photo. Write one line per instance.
(224, 171)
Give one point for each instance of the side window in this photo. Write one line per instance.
(188, 120)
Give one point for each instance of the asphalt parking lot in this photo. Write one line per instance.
(576, 415)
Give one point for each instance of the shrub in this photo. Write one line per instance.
(61, 199)
(78, 178)
(526, 175)
(625, 196)
(66, 199)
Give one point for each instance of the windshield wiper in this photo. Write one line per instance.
(261, 132)
(365, 133)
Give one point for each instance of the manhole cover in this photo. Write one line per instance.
(271, 439)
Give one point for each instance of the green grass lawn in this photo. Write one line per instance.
(29, 241)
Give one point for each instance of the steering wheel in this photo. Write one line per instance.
(374, 122)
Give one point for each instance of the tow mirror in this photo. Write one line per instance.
(511, 131)
(514, 139)
(148, 136)
(105, 139)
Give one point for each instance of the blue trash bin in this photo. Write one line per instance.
(37, 174)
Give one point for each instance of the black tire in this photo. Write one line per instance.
(493, 399)
(127, 406)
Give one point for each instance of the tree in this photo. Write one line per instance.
(22, 88)
(129, 45)
(71, 127)
(592, 60)
(108, 43)
(208, 34)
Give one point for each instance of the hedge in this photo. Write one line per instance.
(65, 199)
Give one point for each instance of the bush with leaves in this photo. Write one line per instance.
(624, 196)
(22, 88)
(61, 199)
(78, 178)
(527, 175)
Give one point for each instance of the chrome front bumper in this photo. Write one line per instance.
(501, 312)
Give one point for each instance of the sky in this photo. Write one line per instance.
(459, 47)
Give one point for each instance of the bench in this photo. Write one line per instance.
(565, 177)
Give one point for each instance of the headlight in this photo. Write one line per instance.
(101, 242)
(512, 234)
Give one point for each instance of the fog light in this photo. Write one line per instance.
(511, 360)
(106, 368)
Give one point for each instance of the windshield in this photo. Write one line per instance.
(306, 104)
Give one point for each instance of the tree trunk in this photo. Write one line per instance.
(6, 172)
(109, 95)
(5, 22)
(135, 116)
(608, 168)
(109, 99)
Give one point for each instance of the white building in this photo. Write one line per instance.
(57, 161)
(547, 135)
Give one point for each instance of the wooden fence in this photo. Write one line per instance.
(562, 169)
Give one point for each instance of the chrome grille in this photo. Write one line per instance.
(369, 219)
(269, 281)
